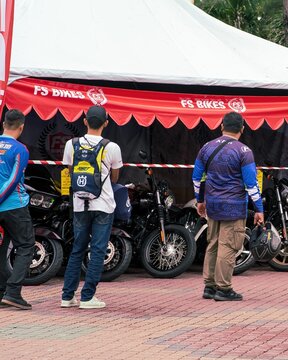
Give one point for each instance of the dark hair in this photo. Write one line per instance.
(96, 116)
(233, 122)
(14, 119)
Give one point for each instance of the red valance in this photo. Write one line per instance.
(47, 97)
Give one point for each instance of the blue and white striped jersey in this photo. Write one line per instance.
(231, 178)
(13, 161)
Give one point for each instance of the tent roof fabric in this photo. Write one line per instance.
(155, 41)
(47, 97)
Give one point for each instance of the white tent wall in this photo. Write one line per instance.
(157, 41)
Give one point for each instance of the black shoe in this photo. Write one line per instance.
(19, 303)
(227, 295)
(209, 292)
(2, 305)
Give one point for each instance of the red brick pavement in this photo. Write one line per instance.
(157, 319)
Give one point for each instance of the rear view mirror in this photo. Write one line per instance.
(143, 154)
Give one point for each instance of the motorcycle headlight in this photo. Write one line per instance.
(284, 194)
(48, 202)
(40, 200)
(36, 199)
(284, 197)
(169, 201)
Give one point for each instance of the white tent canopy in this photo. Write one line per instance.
(158, 41)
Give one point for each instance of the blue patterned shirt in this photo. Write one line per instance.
(13, 161)
(231, 178)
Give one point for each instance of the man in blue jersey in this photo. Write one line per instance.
(14, 214)
(231, 177)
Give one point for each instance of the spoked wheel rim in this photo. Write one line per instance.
(169, 257)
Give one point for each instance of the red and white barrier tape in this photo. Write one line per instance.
(179, 166)
(272, 167)
(174, 166)
(45, 162)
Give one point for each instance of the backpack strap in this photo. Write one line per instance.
(215, 152)
(75, 140)
(104, 142)
(211, 157)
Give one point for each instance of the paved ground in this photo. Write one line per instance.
(156, 319)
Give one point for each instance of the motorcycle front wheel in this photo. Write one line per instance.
(171, 260)
(280, 262)
(46, 262)
(244, 257)
(117, 259)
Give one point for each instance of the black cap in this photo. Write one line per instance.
(233, 122)
(97, 113)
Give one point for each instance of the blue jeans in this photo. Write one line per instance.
(98, 224)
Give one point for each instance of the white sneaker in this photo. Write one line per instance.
(69, 303)
(94, 303)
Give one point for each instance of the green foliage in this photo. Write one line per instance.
(263, 18)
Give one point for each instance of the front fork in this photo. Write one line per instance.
(282, 215)
(161, 216)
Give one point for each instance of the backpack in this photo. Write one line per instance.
(123, 206)
(86, 169)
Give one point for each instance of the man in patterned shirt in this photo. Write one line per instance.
(230, 179)
(14, 213)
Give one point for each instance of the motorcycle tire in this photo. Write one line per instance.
(244, 258)
(117, 259)
(46, 262)
(180, 254)
(280, 262)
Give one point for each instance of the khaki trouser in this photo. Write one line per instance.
(225, 239)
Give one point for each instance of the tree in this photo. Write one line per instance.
(285, 5)
(262, 18)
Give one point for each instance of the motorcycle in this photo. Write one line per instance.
(275, 201)
(189, 218)
(164, 249)
(48, 250)
(53, 224)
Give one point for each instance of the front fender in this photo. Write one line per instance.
(47, 233)
(191, 204)
(120, 232)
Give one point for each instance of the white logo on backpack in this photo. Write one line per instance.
(82, 181)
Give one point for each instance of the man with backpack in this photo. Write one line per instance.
(94, 163)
